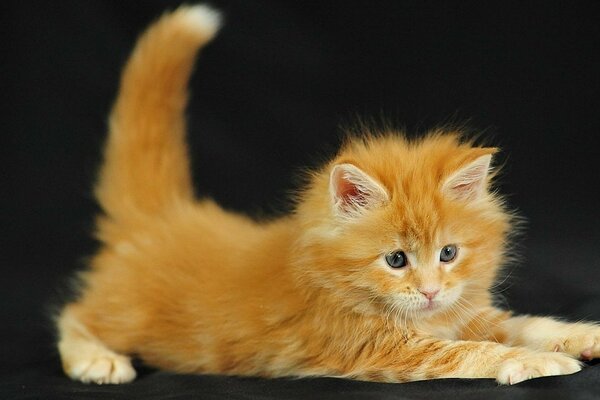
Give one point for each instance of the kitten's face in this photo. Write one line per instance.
(411, 240)
(417, 261)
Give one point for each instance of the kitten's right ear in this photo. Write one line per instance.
(353, 191)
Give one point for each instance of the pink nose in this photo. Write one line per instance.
(429, 293)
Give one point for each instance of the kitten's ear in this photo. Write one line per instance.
(353, 191)
(469, 182)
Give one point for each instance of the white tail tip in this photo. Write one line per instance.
(200, 18)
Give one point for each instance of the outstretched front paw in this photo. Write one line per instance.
(581, 340)
(535, 365)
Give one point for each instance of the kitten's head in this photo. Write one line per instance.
(403, 227)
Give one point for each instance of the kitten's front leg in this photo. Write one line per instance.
(429, 358)
(578, 339)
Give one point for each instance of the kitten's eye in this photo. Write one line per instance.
(396, 259)
(448, 253)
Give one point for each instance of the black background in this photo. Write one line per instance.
(269, 97)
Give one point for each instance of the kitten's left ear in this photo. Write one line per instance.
(469, 182)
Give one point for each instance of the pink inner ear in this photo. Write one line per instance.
(352, 190)
(349, 192)
(469, 183)
(464, 190)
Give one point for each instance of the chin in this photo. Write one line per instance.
(432, 309)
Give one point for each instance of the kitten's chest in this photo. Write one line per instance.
(442, 329)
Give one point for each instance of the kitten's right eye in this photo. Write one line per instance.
(396, 259)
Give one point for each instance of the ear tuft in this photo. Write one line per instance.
(353, 191)
(469, 182)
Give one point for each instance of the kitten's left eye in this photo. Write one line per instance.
(448, 253)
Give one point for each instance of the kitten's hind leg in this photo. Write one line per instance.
(87, 359)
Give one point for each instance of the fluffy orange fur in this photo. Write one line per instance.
(189, 287)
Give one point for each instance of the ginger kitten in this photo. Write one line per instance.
(382, 272)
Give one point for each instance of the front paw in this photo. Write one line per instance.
(518, 369)
(582, 341)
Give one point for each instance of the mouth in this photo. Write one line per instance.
(430, 306)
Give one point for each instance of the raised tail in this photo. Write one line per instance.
(146, 167)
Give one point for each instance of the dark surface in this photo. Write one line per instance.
(268, 97)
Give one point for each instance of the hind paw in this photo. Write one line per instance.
(108, 368)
